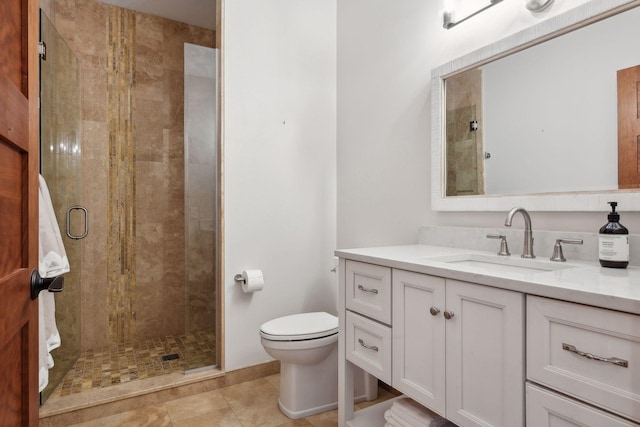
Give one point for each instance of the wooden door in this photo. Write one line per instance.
(485, 356)
(18, 212)
(419, 338)
(629, 127)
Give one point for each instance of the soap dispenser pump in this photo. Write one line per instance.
(613, 241)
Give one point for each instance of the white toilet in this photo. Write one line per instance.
(307, 346)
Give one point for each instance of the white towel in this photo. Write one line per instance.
(52, 262)
(407, 413)
(391, 420)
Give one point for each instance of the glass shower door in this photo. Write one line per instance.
(60, 157)
(200, 166)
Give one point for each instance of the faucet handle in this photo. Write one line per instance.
(557, 248)
(504, 248)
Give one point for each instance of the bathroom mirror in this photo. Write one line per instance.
(500, 136)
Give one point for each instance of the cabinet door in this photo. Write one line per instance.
(485, 356)
(419, 338)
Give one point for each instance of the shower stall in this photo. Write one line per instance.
(128, 150)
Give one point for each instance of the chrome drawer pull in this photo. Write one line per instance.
(368, 347)
(614, 360)
(363, 289)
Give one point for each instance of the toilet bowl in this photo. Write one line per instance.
(307, 346)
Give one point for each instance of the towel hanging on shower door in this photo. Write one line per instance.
(52, 262)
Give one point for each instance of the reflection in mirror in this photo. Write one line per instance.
(547, 116)
(463, 134)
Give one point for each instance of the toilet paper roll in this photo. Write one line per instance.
(253, 280)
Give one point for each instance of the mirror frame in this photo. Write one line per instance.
(580, 16)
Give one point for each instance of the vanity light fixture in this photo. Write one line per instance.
(537, 5)
(448, 16)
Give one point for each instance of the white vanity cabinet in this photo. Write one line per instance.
(587, 353)
(458, 348)
(545, 347)
(455, 347)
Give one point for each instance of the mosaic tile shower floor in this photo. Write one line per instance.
(128, 362)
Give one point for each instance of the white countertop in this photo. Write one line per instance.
(581, 282)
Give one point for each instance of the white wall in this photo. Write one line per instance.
(280, 178)
(279, 164)
(386, 51)
(383, 101)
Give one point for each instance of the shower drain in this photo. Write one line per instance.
(168, 357)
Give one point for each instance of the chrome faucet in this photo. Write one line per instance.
(527, 250)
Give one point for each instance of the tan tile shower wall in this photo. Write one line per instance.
(155, 306)
(159, 118)
(121, 213)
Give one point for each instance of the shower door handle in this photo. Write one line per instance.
(86, 222)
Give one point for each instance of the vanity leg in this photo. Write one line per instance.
(345, 392)
(345, 368)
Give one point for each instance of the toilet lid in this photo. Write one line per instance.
(302, 326)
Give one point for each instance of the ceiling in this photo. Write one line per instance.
(201, 13)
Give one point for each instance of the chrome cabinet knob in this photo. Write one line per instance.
(448, 314)
(434, 311)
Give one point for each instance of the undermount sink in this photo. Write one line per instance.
(500, 264)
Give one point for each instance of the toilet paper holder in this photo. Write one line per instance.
(250, 280)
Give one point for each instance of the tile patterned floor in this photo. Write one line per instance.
(249, 404)
(127, 362)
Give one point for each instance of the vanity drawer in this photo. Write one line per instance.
(368, 345)
(368, 289)
(563, 340)
(546, 408)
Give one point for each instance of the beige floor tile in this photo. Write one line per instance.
(274, 380)
(325, 419)
(149, 416)
(255, 403)
(261, 415)
(92, 423)
(248, 404)
(251, 394)
(219, 418)
(198, 404)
